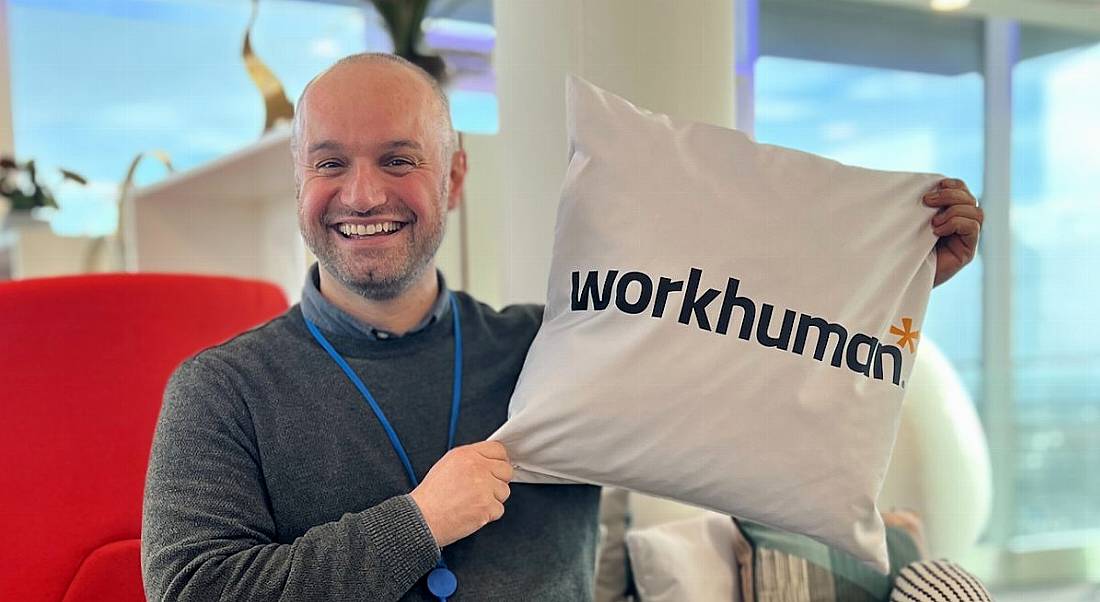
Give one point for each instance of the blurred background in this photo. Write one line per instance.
(1002, 94)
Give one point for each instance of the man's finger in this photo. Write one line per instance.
(948, 197)
(502, 492)
(501, 470)
(494, 450)
(956, 183)
(968, 211)
(497, 511)
(963, 226)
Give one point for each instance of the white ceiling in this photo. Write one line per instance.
(1073, 14)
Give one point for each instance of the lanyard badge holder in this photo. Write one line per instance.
(441, 581)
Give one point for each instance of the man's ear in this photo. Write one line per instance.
(458, 178)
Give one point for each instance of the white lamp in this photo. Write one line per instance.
(941, 466)
(949, 5)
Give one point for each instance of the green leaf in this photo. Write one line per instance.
(72, 175)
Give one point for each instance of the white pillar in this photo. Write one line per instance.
(7, 136)
(746, 29)
(670, 57)
(1001, 46)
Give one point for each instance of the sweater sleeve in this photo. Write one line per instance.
(207, 526)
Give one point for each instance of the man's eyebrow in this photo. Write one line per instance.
(324, 145)
(332, 145)
(399, 144)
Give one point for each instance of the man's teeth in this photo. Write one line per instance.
(369, 229)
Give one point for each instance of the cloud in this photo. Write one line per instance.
(898, 149)
(213, 141)
(327, 48)
(839, 131)
(783, 111)
(139, 115)
(86, 210)
(1066, 224)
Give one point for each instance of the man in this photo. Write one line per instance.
(270, 477)
(273, 477)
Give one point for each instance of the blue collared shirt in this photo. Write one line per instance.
(322, 312)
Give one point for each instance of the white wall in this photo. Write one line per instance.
(671, 57)
(7, 142)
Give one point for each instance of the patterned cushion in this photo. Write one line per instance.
(786, 567)
(938, 581)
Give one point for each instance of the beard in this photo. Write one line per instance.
(379, 274)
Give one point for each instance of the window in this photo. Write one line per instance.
(887, 118)
(1056, 284)
(893, 88)
(94, 82)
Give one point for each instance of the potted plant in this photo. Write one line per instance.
(403, 19)
(21, 192)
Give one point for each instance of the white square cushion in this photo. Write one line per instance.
(691, 559)
(612, 570)
(728, 324)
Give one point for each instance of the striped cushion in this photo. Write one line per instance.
(939, 581)
(794, 568)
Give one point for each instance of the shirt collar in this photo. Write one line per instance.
(322, 312)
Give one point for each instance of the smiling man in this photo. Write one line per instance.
(338, 452)
(377, 168)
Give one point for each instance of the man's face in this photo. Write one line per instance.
(374, 187)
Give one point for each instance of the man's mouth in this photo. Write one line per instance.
(368, 230)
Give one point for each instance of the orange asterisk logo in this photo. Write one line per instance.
(907, 334)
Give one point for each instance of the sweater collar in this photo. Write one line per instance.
(333, 320)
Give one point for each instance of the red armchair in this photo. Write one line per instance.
(83, 365)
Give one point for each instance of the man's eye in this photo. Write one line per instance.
(400, 162)
(328, 164)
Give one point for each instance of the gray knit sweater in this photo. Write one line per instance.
(270, 478)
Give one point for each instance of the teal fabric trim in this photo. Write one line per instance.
(874, 585)
(903, 551)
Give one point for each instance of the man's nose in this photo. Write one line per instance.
(363, 190)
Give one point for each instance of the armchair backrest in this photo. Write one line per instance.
(83, 365)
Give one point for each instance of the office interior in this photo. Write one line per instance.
(178, 167)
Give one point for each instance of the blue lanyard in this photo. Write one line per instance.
(441, 581)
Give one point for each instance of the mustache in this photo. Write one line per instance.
(393, 213)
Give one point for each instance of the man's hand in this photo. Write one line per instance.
(464, 491)
(958, 224)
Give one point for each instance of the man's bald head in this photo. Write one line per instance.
(365, 61)
(374, 146)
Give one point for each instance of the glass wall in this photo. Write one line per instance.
(1056, 287)
(893, 88)
(94, 82)
(889, 119)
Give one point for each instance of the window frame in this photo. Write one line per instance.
(1000, 554)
